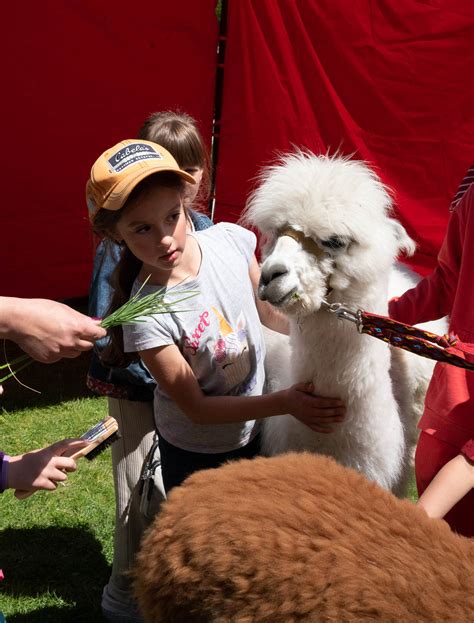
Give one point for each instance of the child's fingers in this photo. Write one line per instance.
(304, 387)
(328, 419)
(65, 463)
(320, 428)
(67, 447)
(84, 345)
(330, 405)
(338, 412)
(57, 475)
(49, 484)
(326, 425)
(321, 402)
(323, 406)
(48, 481)
(95, 333)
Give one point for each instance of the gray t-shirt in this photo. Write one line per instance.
(219, 335)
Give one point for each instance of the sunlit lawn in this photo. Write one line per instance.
(56, 548)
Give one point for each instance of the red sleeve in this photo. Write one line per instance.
(468, 450)
(433, 297)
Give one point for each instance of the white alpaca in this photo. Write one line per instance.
(330, 237)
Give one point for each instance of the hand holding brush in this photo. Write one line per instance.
(45, 468)
(40, 469)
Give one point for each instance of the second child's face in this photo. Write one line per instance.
(191, 190)
(154, 229)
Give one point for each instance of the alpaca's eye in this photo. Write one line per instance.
(334, 243)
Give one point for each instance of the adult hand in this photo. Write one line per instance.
(47, 330)
(319, 413)
(42, 469)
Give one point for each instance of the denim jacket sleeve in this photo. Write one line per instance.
(106, 259)
(134, 382)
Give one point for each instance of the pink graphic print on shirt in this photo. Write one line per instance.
(231, 350)
(192, 343)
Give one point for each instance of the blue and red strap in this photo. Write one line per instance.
(444, 348)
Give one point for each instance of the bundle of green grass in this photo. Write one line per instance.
(299, 538)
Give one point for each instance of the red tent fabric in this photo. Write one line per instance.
(389, 82)
(78, 76)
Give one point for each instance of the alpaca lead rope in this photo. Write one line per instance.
(345, 313)
(413, 339)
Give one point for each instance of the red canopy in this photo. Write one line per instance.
(81, 76)
(390, 82)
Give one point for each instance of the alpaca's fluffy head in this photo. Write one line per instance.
(340, 205)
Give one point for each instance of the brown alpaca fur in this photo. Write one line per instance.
(299, 538)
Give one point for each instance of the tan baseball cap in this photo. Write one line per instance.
(119, 169)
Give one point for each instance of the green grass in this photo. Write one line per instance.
(56, 548)
(412, 492)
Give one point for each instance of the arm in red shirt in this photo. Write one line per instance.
(468, 450)
(433, 297)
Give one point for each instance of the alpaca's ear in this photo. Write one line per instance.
(405, 243)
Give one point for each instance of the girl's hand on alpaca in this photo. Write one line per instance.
(42, 469)
(319, 413)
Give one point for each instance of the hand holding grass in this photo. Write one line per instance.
(49, 331)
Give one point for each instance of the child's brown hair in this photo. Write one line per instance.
(178, 133)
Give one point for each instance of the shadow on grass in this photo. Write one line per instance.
(56, 382)
(66, 563)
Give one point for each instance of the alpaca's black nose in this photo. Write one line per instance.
(267, 276)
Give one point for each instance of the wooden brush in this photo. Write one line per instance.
(100, 437)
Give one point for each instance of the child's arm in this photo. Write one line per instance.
(174, 375)
(40, 469)
(449, 485)
(269, 316)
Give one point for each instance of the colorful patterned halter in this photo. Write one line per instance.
(444, 348)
